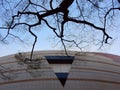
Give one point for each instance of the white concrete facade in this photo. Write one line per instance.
(89, 71)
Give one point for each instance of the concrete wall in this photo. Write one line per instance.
(89, 71)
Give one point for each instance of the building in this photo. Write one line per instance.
(54, 70)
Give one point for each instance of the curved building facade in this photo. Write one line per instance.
(53, 70)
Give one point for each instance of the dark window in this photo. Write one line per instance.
(60, 59)
(62, 77)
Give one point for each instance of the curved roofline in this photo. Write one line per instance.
(111, 56)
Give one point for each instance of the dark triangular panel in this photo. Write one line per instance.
(60, 59)
(61, 74)
(62, 77)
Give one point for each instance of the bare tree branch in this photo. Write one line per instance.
(62, 17)
(33, 43)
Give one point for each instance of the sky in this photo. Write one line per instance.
(45, 42)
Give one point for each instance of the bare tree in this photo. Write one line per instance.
(60, 16)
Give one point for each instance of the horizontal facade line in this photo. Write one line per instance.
(94, 69)
(14, 62)
(8, 62)
(25, 69)
(73, 62)
(98, 62)
(69, 79)
(95, 80)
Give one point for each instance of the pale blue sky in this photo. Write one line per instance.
(45, 42)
